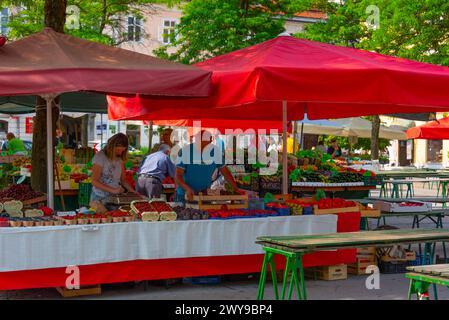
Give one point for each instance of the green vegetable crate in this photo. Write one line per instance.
(85, 190)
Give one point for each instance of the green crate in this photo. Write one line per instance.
(85, 189)
(372, 181)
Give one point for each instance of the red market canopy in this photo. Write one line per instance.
(433, 130)
(52, 62)
(226, 126)
(324, 80)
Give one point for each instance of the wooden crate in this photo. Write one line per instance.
(41, 199)
(370, 213)
(83, 291)
(205, 202)
(318, 211)
(283, 197)
(329, 273)
(361, 264)
(366, 251)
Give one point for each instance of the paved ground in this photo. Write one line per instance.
(392, 287)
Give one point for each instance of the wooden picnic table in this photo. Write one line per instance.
(421, 277)
(294, 247)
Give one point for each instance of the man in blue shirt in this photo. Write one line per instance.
(196, 163)
(154, 168)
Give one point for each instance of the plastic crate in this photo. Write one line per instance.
(282, 211)
(372, 181)
(85, 189)
(393, 267)
(256, 204)
(203, 280)
(307, 210)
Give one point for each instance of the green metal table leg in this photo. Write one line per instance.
(263, 276)
(286, 273)
(410, 289)
(429, 252)
(298, 290)
(294, 280)
(301, 277)
(273, 275)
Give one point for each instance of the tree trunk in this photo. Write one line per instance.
(375, 138)
(55, 16)
(39, 151)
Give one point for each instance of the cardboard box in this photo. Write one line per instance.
(366, 251)
(386, 206)
(330, 273)
(361, 264)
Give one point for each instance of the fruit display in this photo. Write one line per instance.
(153, 206)
(78, 177)
(168, 180)
(295, 208)
(34, 221)
(281, 208)
(335, 203)
(190, 213)
(236, 213)
(21, 162)
(342, 177)
(21, 192)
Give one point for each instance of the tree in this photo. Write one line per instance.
(214, 27)
(102, 21)
(416, 30)
(96, 21)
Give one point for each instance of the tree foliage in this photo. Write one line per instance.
(417, 30)
(102, 21)
(214, 27)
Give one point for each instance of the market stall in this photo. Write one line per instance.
(146, 250)
(39, 65)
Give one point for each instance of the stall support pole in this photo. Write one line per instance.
(284, 149)
(101, 126)
(49, 98)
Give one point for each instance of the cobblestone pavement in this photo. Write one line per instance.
(392, 286)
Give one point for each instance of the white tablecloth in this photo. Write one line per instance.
(52, 247)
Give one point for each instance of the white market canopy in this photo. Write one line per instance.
(350, 127)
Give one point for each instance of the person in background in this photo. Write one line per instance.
(272, 146)
(15, 145)
(153, 170)
(194, 173)
(108, 170)
(165, 139)
(334, 150)
(321, 147)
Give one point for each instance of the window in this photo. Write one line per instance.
(168, 28)
(4, 21)
(134, 29)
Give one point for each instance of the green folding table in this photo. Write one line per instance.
(294, 247)
(421, 277)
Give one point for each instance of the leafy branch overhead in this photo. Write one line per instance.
(214, 27)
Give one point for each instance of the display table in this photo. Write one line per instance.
(38, 256)
(421, 277)
(293, 248)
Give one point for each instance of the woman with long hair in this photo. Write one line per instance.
(108, 171)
